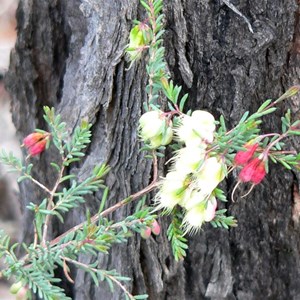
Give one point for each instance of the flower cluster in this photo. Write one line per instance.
(36, 142)
(195, 172)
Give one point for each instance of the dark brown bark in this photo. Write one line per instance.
(69, 55)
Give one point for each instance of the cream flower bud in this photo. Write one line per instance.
(167, 136)
(151, 124)
(154, 129)
(197, 129)
(194, 218)
(156, 141)
(204, 124)
(163, 139)
(172, 190)
(193, 198)
(15, 287)
(203, 212)
(210, 175)
(136, 42)
(189, 159)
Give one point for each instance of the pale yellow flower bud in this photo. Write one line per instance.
(156, 141)
(167, 136)
(203, 212)
(172, 190)
(151, 124)
(154, 129)
(162, 139)
(197, 129)
(204, 123)
(209, 176)
(193, 198)
(194, 218)
(189, 159)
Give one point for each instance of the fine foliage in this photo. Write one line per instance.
(204, 152)
(34, 272)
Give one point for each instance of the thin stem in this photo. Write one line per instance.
(38, 183)
(267, 150)
(35, 241)
(231, 6)
(33, 180)
(276, 152)
(117, 282)
(50, 201)
(260, 137)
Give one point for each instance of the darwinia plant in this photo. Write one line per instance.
(204, 152)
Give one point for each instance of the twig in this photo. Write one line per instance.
(120, 285)
(38, 183)
(35, 236)
(50, 201)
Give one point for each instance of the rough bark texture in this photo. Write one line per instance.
(69, 55)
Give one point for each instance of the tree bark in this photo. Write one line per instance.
(69, 54)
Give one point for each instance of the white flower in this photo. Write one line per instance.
(209, 176)
(197, 129)
(203, 212)
(151, 124)
(193, 198)
(172, 190)
(204, 124)
(154, 129)
(189, 159)
(194, 218)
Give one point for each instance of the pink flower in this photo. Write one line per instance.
(254, 171)
(243, 157)
(259, 173)
(210, 211)
(36, 142)
(146, 232)
(155, 228)
(33, 138)
(37, 148)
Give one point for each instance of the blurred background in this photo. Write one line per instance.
(9, 205)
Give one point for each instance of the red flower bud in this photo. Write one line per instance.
(36, 142)
(254, 171)
(37, 148)
(259, 173)
(32, 138)
(243, 157)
